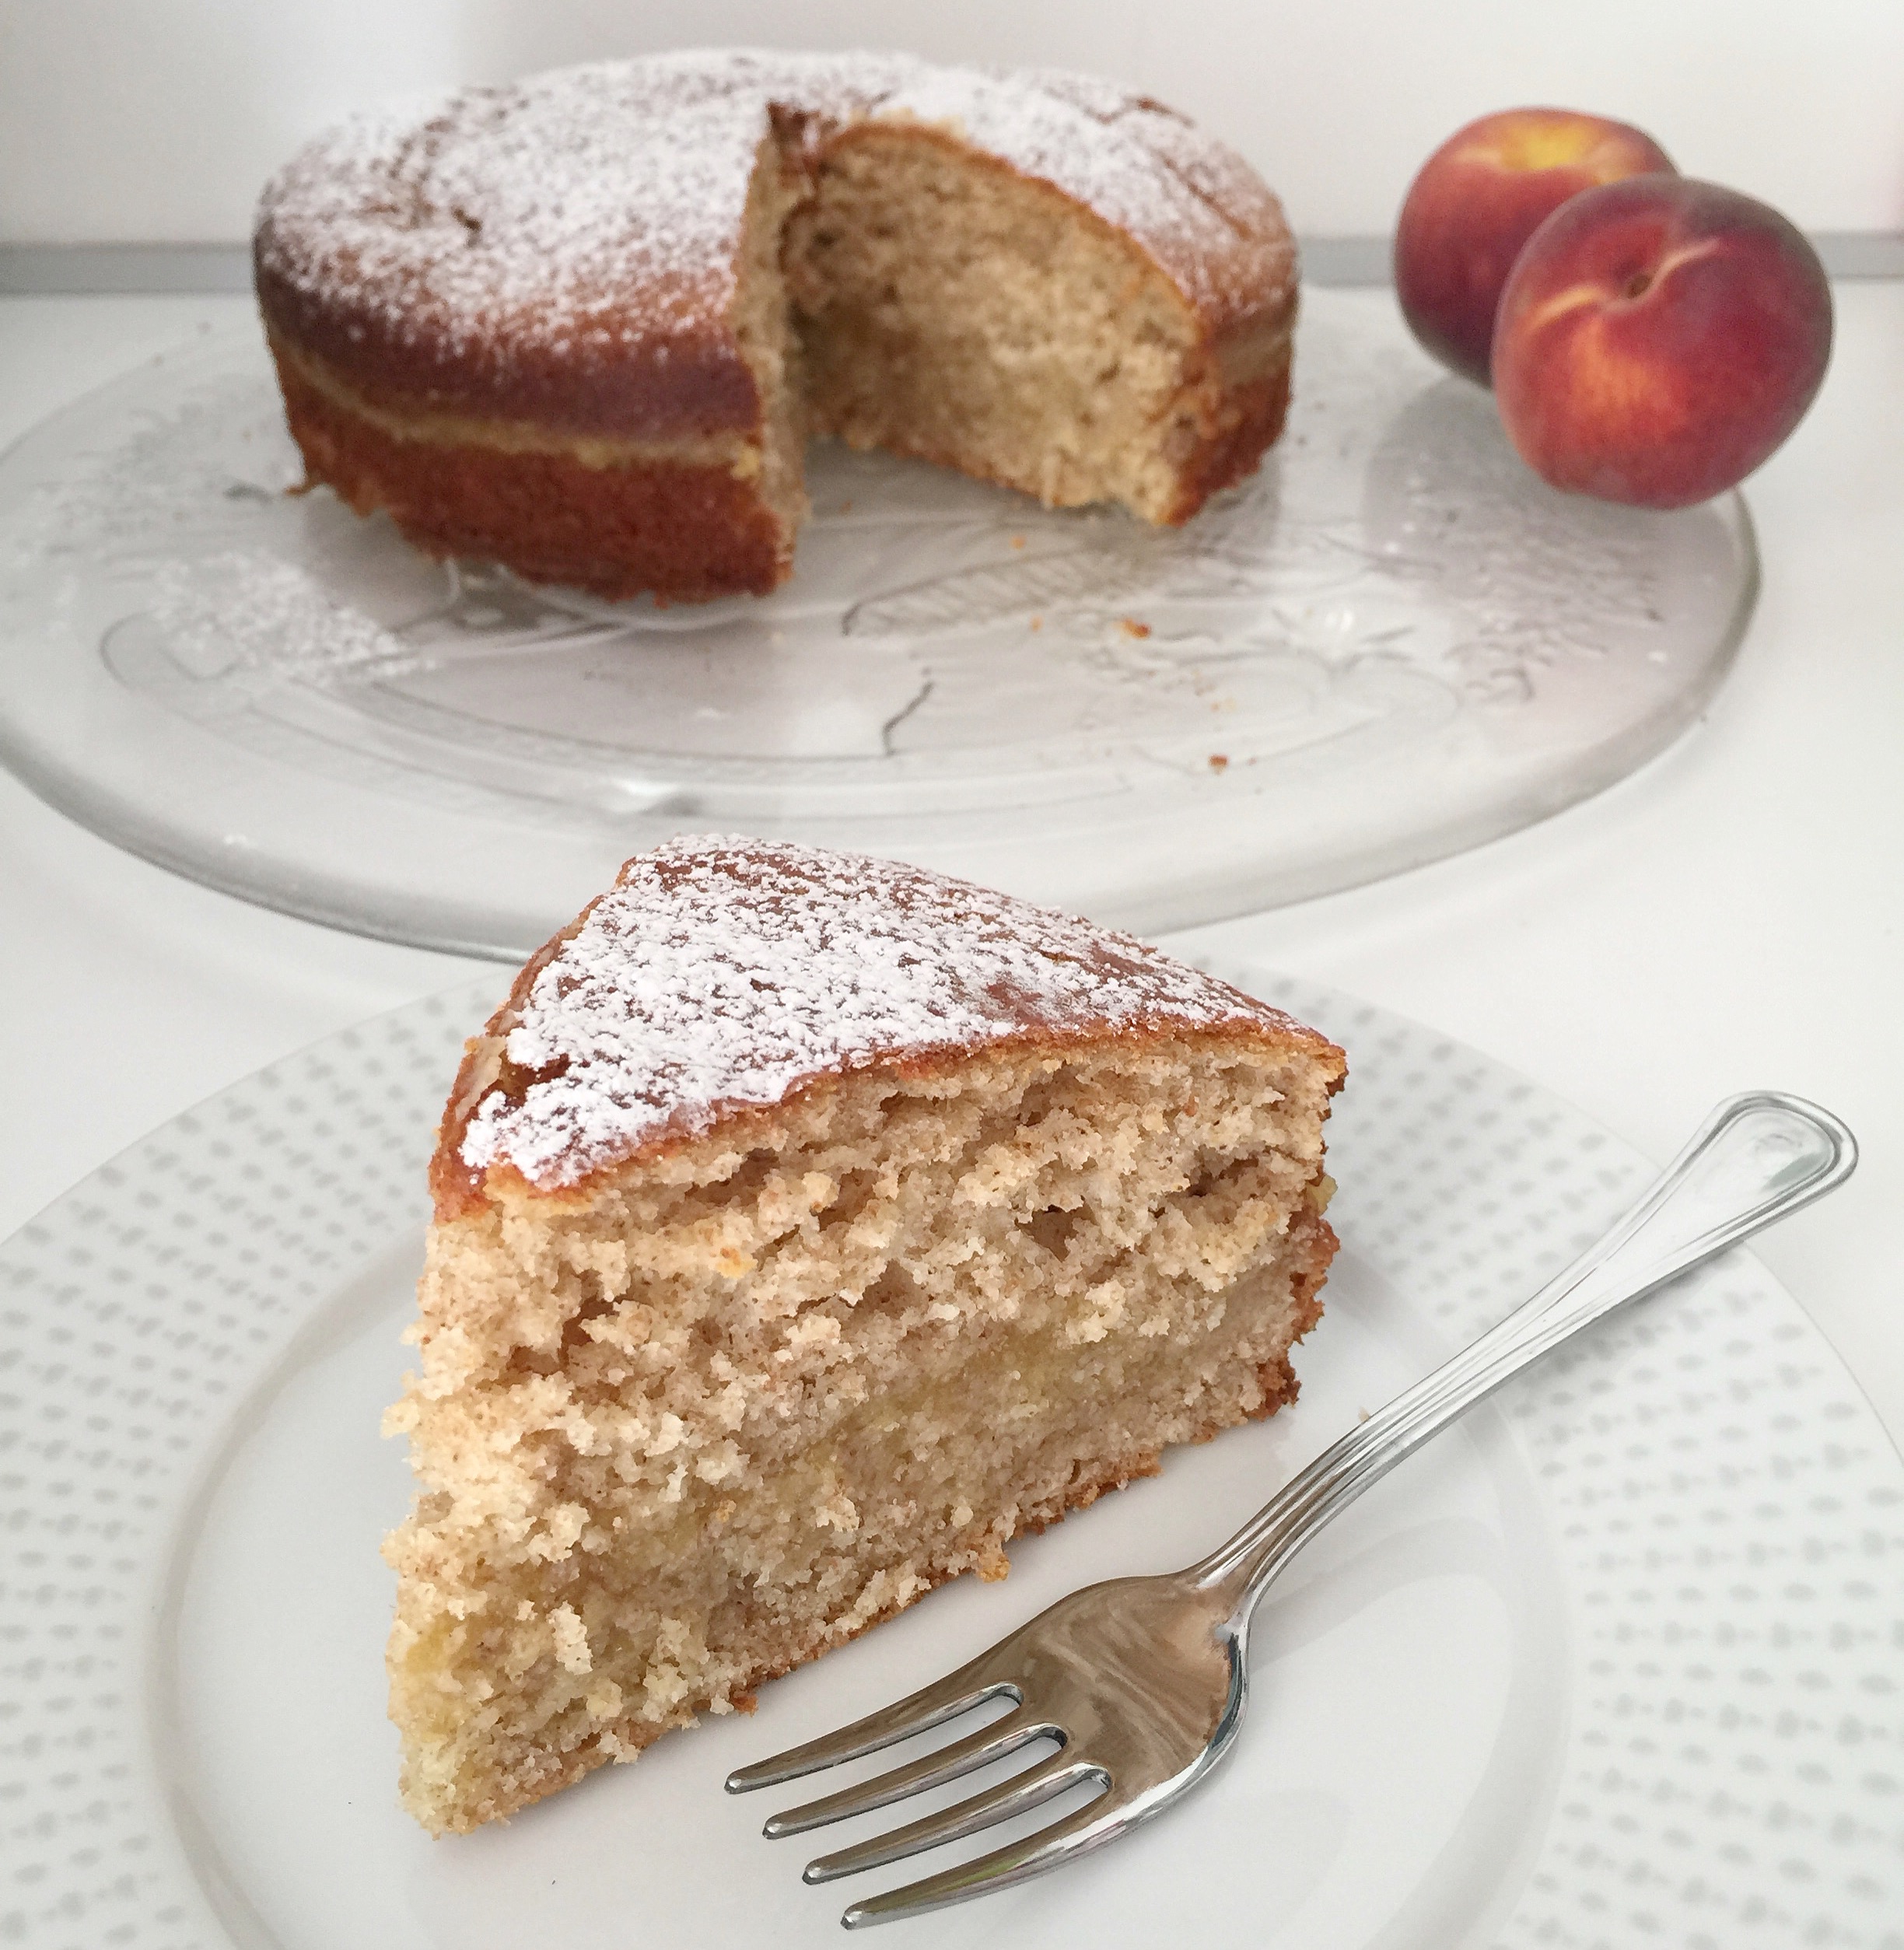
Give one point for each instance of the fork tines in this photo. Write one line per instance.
(958, 1694)
(931, 1707)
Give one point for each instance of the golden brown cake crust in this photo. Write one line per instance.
(566, 250)
(697, 531)
(1256, 415)
(717, 979)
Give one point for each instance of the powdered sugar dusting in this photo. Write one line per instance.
(1198, 209)
(241, 609)
(594, 211)
(721, 973)
(535, 208)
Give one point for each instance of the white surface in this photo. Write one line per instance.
(1732, 916)
(1660, 1573)
(146, 120)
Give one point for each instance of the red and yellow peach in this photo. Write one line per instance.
(1476, 201)
(1658, 338)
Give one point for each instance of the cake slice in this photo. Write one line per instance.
(806, 1227)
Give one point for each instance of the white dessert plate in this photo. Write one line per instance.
(1392, 643)
(1614, 1662)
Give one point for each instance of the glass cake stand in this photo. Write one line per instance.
(1394, 643)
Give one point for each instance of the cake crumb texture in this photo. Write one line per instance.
(808, 1228)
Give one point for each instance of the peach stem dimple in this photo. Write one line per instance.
(1644, 282)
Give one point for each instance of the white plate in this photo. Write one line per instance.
(1614, 1663)
(1393, 642)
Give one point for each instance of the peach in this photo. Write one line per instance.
(1657, 339)
(1479, 198)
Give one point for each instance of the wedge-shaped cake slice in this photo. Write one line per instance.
(807, 1226)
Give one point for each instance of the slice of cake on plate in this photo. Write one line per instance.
(807, 1226)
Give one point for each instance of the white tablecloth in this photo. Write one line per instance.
(1733, 916)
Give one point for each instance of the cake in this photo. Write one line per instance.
(806, 1227)
(583, 325)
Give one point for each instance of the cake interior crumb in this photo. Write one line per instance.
(950, 308)
(719, 1410)
(914, 295)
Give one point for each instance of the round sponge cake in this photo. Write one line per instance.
(582, 324)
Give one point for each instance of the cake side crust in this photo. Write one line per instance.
(692, 530)
(404, 418)
(1248, 423)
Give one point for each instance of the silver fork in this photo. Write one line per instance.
(1142, 1681)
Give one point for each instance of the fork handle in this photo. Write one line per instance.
(1757, 1158)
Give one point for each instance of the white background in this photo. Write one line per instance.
(156, 120)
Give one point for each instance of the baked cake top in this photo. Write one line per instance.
(567, 247)
(721, 974)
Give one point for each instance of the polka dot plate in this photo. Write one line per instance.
(1616, 1662)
